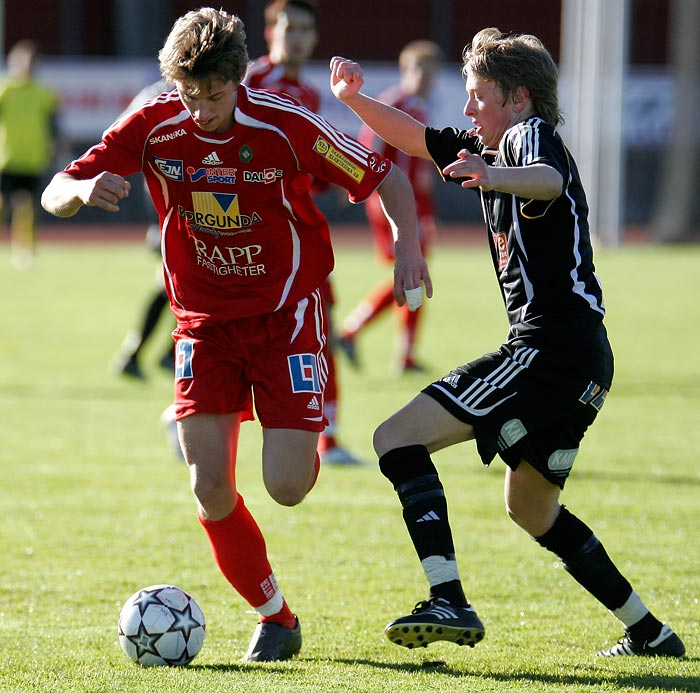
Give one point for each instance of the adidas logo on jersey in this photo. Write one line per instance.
(428, 517)
(212, 159)
(313, 404)
(451, 380)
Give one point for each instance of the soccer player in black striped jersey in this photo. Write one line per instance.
(532, 400)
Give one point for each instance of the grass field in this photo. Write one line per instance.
(94, 505)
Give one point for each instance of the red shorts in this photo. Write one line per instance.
(279, 359)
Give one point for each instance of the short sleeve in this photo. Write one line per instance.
(443, 146)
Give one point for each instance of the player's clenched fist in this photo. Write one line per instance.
(105, 190)
(347, 78)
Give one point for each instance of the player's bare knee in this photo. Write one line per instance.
(532, 520)
(287, 492)
(208, 489)
(384, 438)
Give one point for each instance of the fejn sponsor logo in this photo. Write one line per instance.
(268, 175)
(170, 168)
(168, 136)
(212, 175)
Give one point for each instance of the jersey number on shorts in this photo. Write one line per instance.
(183, 358)
(303, 372)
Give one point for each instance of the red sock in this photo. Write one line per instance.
(285, 617)
(409, 322)
(369, 308)
(241, 555)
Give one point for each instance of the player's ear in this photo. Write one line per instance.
(520, 99)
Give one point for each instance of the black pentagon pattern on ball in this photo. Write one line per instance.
(144, 642)
(146, 598)
(184, 622)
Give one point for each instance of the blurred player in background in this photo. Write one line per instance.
(245, 254)
(419, 62)
(127, 360)
(532, 400)
(291, 33)
(28, 132)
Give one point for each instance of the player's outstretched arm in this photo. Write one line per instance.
(65, 195)
(410, 269)
(533, 182)
(394, 126)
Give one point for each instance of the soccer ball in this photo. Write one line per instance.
(161, 625)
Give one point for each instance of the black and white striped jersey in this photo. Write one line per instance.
(541, 250)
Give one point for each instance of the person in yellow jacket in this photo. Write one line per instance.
(28, 112)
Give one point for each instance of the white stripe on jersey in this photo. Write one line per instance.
(579, 287)
(528, 142)
(181, 117)
(168, 273)
(246, 120)
(161, 98)
(299, 317)
(343, 142)
(528, 151)
(296, 261)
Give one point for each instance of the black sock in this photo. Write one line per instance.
(451, 590)
(586, 560)
(422, 496)
(647, 629)
(152, 314)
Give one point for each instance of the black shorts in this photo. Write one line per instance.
(12, 182)
(524, 403)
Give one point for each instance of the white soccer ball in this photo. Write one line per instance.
(161, 625)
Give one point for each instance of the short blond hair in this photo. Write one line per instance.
(512, 61)
(204, 44)
(419, 50)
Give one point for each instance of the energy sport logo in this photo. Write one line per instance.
(212, 175)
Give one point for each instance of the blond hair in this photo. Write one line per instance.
(418, 50)
(512, 61)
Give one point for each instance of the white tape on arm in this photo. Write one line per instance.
(414, 298)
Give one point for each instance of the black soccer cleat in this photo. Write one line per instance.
(667, 644)
(272, 642)
(433, 620)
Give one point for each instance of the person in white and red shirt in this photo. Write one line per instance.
(291, 33)
(245, 252)
(419, 62)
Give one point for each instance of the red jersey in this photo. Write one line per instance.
(240, 234)
(262, 74)
(420, 172)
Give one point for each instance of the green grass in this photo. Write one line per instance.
(94, 506)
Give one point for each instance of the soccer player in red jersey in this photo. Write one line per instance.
(418, 64)
(291, 33)
(245, 252)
